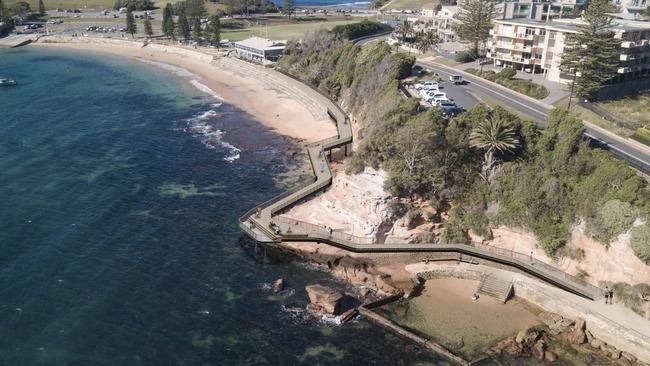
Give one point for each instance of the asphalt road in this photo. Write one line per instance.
(465, 96)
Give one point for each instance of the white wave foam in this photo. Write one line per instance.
(179, 71)
(211, 136)
(175, 69)
(204, 88)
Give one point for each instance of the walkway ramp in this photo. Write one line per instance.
(17, 40)
(496, 287)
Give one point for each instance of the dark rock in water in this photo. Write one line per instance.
(278, 286)
(324, 299)
(348, 315)
(550, 356)
(293, 308)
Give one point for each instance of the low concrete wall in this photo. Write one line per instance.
(625, 88)
(602, 328)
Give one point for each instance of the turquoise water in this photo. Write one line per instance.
(120, 188)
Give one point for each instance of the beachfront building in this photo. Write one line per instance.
(536, 46)
(260, 49)
(631, 6)
(443, 20)
(539, 9)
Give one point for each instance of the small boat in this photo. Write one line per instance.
(7, 82)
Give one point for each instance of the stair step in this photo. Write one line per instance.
(495, 287)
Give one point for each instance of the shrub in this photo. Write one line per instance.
(613, 218)
(640, 242)
(425, 238)
(507, 73)
(361, 29)
(454, 234)
(465, 56)
(412, 218)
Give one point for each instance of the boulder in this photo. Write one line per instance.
(628, 357)
(596, 343)
(529, 335)
(348, 315)
(324, 299)
(550, 356)
(278, 286)
(579, 335)
(539, 350)
(616, 354)
(364, 291)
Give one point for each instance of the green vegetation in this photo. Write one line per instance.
(131, 27)
(183, 26)
(148, 29)
(475, 22)
(213, 30)
(505, 78)
(133, 4)
(289, 7)
(632, 108)
(361, 29)
(612, 219)
(592, 53)
(7, 24)
(465, 56)
(168, 21)
(404, 4)
(640, 242)
(283, 28)
(486, 167)
(642, 135)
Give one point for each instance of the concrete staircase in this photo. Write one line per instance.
(496, 287)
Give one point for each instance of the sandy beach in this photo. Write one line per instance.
(269, 97)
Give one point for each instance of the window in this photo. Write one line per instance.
(530, 31)
(542, 32)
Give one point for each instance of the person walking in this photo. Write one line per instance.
(611, 297)
(606, 293)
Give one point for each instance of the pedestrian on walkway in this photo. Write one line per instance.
(611, 297)
(606, 293)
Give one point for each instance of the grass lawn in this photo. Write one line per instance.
(409, 4)
(69, 4)
(634, 108)
(282, 31)
(446, 61)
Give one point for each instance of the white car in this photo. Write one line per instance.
(426, 85)
(439, 101)
(434, 94)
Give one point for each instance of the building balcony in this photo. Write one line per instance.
(626, 57)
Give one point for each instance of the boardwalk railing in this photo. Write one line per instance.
(263, 224)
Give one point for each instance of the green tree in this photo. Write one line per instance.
(403, 31)
(494, 136)
(195, 9)
(196, 28)
(5, 18)
(475, 22)
(168, 21)
(613, 219)
(148, 29)
(22, 9)
(41, 7)
(289, 7)
(592, 53)
(183, 26)
(131, 26)
(427, 40)
(213, 30)
(640, 242)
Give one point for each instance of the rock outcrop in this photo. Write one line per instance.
(278, 286)
(324, 299)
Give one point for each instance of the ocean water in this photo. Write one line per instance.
(120, 187)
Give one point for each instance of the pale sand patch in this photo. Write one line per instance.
(268, 99)
(617, 264)
(445, 312)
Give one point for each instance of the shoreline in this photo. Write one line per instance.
(256, 92)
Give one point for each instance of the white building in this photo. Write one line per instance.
(260, 49)
(535, 46)
(443, 21)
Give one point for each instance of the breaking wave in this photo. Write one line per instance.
(211, 136)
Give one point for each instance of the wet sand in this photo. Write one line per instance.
(445, 312)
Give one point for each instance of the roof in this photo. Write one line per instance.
(262, 43)
(571, 25)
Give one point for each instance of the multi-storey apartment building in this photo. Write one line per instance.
(631, 6)
(538, 9)
(536, 46)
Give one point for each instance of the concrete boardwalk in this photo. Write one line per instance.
(263, 223)
(18, 40)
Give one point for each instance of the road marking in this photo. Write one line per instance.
(610, 146)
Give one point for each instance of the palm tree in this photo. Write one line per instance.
(493, 135)
(427, 40)
(403, 30)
